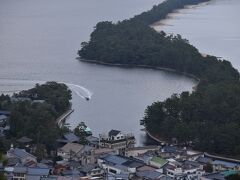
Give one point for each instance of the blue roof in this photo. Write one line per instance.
(225, 163)
(71, 137)
(149, 174)
(204, 160)
(170, 149)
(38, 171)
(113, 132)
(21, 153)
(115, 159)
(20, 169)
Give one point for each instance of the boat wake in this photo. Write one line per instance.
(17, 85)
(80, 91)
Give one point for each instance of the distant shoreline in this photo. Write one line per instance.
(173, 15)
(139, 66)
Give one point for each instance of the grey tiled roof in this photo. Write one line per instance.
(38, 171)
(92, 139)
(203, 160)
(148, 174)
(133, 164)
(225, 163)
(20, 169)
(115, 159)
(20, 153)
(113, 132)
(71, 137)
(12, 161)
(170, 149)
(88, 168)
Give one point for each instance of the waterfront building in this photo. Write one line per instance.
(117, 140)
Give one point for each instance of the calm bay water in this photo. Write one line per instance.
(39, 40)
(213, 27)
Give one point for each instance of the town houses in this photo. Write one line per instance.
(114, 157)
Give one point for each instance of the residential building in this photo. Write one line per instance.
(19, 173)
(117, 140)
(116, 164)
(68, 138)
(21, 154)
(136, 151)
(221, 165)
(78, 152)
(69, 150)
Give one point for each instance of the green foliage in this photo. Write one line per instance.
(55, 94)
(4, 144)
(40, 152)
(2, 177)
(5, 102)
(80, 131)
(160, 11)
(38, 120)
(208, 117)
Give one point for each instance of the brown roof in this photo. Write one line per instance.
(74, 147)
(146, 168)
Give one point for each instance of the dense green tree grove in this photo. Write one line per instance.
(37, 120)
(209, 117)
(160, 11)
(56, 94)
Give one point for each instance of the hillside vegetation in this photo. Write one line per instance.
(209, 117)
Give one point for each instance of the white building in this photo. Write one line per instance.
(117, 140)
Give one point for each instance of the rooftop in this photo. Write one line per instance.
(115, 159)
(38, 171)
(170, 149)
(225, 163)
(143, 148)
(203, 160)
(88, 168)
(20, 169)
(24, 139)
(20, 153)
(74, 147)
(123, 161)
(3, 117)
(214, 176)
(149, 174)
(146, 168)
(159, 160)
(113, 132)
(71, 137)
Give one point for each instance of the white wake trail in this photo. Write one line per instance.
(80, 90)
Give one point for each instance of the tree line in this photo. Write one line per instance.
(36, 119)
(209, 117)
